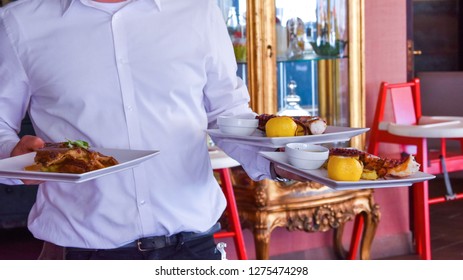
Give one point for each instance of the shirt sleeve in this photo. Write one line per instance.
(14, 91)
(226, 94)
(11, 182)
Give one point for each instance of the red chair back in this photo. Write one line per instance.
(403, 104)
(406, 108)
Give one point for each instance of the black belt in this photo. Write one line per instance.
(158, 242)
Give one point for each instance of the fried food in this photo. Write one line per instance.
(63, 158)
(375, 167)
(306, 125)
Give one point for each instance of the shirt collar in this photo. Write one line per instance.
(65, 4)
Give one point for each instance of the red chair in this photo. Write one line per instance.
(406, 107)
(221, 164)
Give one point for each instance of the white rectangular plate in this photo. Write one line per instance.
(321, 176)
(332, 134)
(13, 167)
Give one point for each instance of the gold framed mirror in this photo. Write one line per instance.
(261, 60)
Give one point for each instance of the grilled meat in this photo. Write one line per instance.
(310, 125)
(381, 166)
(57, 157)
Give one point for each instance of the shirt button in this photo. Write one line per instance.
(129, 108)
(142, 202)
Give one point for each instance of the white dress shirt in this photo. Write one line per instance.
(153, 75)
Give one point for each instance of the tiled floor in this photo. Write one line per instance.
(446, 233)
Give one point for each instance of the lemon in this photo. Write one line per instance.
(281, 127)
(344, 168)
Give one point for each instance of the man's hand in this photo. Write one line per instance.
(27, 144)
(286, 174)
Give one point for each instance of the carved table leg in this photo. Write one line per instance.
(262, 241)
(337, 242)
(370, 223)
(371, 220)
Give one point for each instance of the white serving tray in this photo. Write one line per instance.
(321, 176)
(13, 167)
(331, 135)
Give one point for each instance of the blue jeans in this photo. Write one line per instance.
(198, 249)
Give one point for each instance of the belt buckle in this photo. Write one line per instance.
(156, 242)
(139, 243)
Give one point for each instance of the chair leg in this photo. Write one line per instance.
(422, 224)
(356, 237)
(370, 224)
(233, 216)
(365, 225)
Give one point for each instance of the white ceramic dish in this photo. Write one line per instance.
(13, 167)
(237, 130)
(332, 134)
(307, 151)
(306, 164)
(239, 120)
(321, 175)
(240, 125)
(306, 156)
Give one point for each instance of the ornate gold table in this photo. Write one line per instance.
(310, 207)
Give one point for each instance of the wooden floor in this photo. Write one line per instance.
(446, 224)
(446, 233)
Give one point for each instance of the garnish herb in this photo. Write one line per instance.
(77, 143)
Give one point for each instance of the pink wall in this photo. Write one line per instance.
(385, 44)
(386, 58)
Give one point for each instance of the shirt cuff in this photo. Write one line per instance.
(6, 148)
(11, 182)
(275, 176)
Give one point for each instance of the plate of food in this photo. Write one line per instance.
(276, 131)
(375, 172)
(72, 162)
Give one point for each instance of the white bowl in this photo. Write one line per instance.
(307, 151)
(306, 164)
(243, 125)
(237, 130)
(247, 120)
(306, 156)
